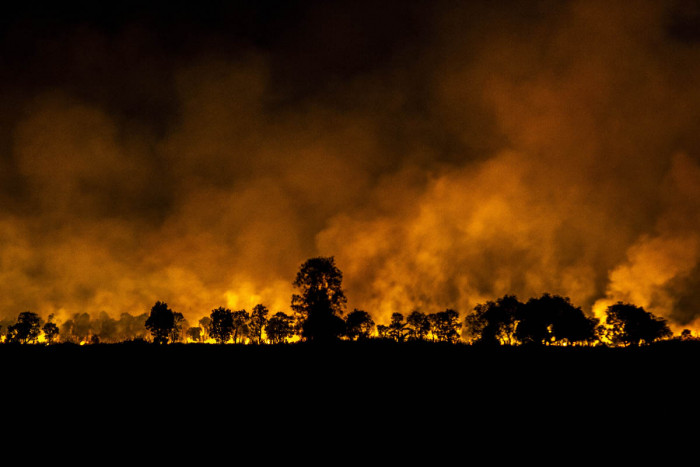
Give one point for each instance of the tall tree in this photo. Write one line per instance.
(321, 301)
(160, 322)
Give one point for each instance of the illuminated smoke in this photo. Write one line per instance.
(445, 156)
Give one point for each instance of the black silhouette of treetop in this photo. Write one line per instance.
(397, 327)
(631, 325)
(26, 330)
(221, 324)
(240, 325)
(279, 327)
(553, 319)
(418, 325)
(180, 325)
(445, 325)
(258, 319)
(358, 325)
(50, 330)
(321, 300)
(494, 322)
(160, 322)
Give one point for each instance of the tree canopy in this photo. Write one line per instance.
(358, 325)
(26, 330)
(397, 327)
(321, 301)
(241, 330)
(632, 325)
(418, 325)
(279, 327)
(445, 325)
(494, 322)
(160, 322)
(553, 319)
(221, 324)
(549, 319)
(258, 320)
(50, 330)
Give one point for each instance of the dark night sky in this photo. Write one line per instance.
(444, 153)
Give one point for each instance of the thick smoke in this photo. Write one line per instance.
(444, 155)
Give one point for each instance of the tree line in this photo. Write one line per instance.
(554, 320)
(318, 316)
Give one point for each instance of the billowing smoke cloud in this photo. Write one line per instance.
(444, 155)
(588, 197)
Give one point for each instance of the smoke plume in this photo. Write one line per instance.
(445, 155)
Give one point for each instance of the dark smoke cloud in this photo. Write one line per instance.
(444, 154)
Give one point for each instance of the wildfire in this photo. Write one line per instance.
(441, 171)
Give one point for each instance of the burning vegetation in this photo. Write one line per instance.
(318, 317)
(446, 153)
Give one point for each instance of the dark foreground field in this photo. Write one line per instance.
(374, 391)
(378, 371)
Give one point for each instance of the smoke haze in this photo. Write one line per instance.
(445, 155)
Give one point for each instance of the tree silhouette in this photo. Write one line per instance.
(279, 327)
(320, 301)
(493, 322)
(26, 330)
(552, 319)
(50, 330)
(533, 325)
(358, 325)
(445, 325)
(632, 325)
(258, 319)
(160, 322)
(418, 324)
(397, 327)
(221, 325)
(241, 330)
(571, 325)
(177, 333)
